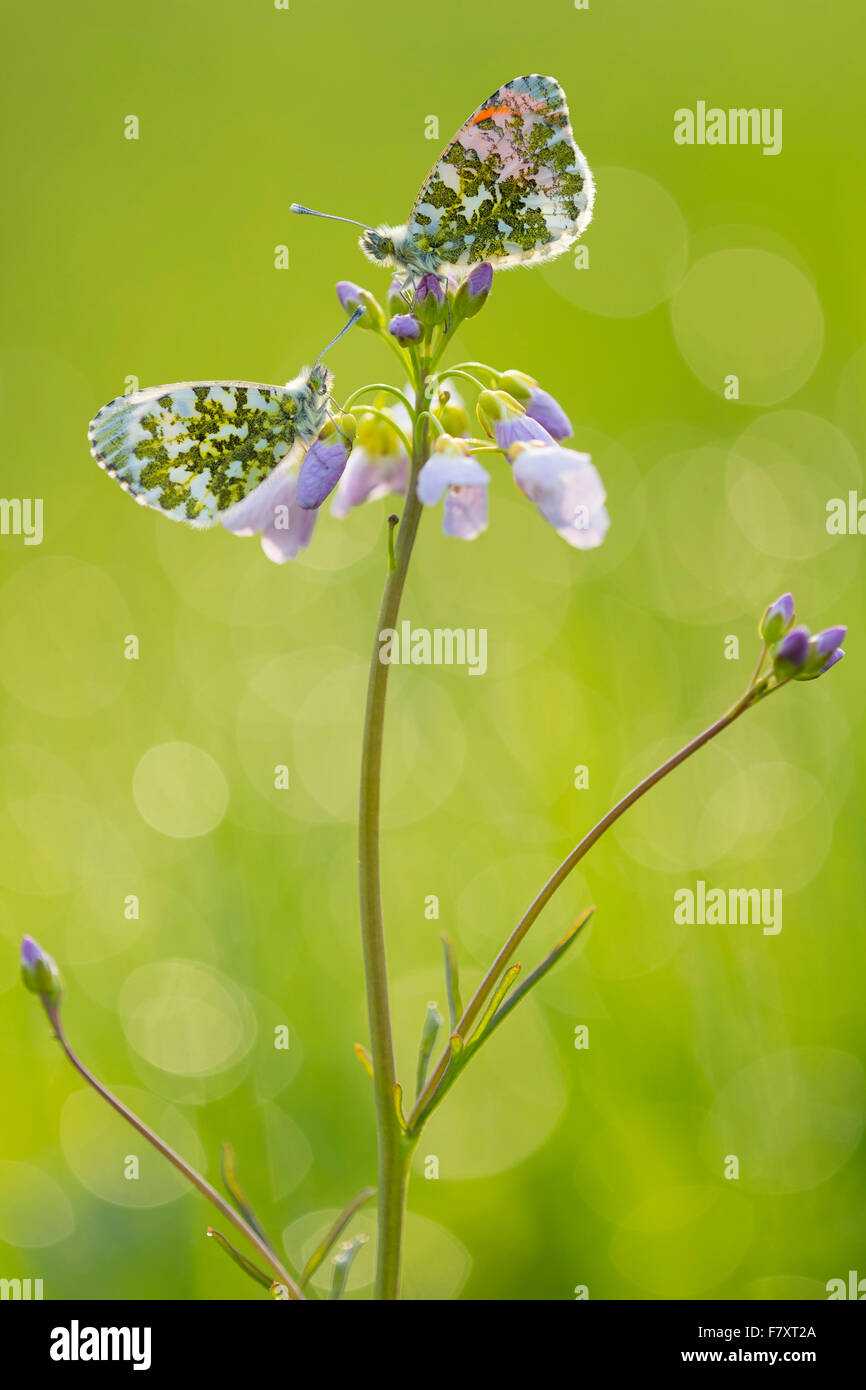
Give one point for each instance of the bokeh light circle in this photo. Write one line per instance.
(636, 254)
(751, 314)
(180, 790)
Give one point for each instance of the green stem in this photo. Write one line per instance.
(476, 1003)
(393, 1148)
(280, 1273)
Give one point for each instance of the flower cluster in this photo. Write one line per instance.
(795, 653)
(389, 439)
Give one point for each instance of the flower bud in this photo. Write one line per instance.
(40, 973)
(352, 296)
(430, 305)
(405, 328)
(824, 651)
(777, 620)
(792, 653)
(453, 418)
(507, 422)
(472, 293)
(325, 462)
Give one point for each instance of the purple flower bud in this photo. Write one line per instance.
(792, 653)
(824, 652)
(472, 293)
(39, 972)
(352, 296)
(430, 300)
(480, 280)
(405, 328)
(349, 295)
(430, 287)
(507, 422)
(777, 619)
(323, 467)
(542, 408)
(827, 641)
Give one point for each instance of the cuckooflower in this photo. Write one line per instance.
(824, 651)
(472, 292)
(452, 470)
(39, 972)
(777, 619)
(539, 405)
(566, 488)
(273, 510)
(792, 653)
(430, 306)
(324, 463)
(507, 422)
(378, 465)
(405, 328)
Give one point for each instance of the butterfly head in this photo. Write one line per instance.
(391, 246)
(319, 382)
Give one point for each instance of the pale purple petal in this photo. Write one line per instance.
(444, 470)
(321, 470)
(568, 491)
(367, 478)
(519, 430)
(464, 515)
(542, 408)
(290, 528)
(247, 517)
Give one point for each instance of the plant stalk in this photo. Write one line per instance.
(476, 1003)
(393, 1151)
(281, 1274)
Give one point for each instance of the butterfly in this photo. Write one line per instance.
(511, 188)
(195, 451)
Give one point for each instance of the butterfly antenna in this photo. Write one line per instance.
(346, 326)
(329, 216)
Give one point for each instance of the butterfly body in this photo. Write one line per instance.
(512, 188)
(195, 450)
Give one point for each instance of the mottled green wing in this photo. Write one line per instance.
(512, 187)
(194, 449)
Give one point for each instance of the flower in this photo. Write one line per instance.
(566, 488)
(405, 328)
(452, 469)
(352, 296)
(824, 651)
(378, 465)
(273, 509)
(472, 292)
(507, 422)
(539, 405)
(324, 463)
(777, 619)
(792, 653)
(430, 306)
(39, 972)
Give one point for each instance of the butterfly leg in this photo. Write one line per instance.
(335, 423)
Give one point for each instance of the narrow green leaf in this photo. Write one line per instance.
(364, 1058)
(334, 1234)
(266, 1280)
(398, 1106)
(452, 981)
(540, 971)
(429, 1034)
(343, 1263)
(229, 1174)
(495, 1000)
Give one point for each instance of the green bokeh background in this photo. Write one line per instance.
(557, 1167)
